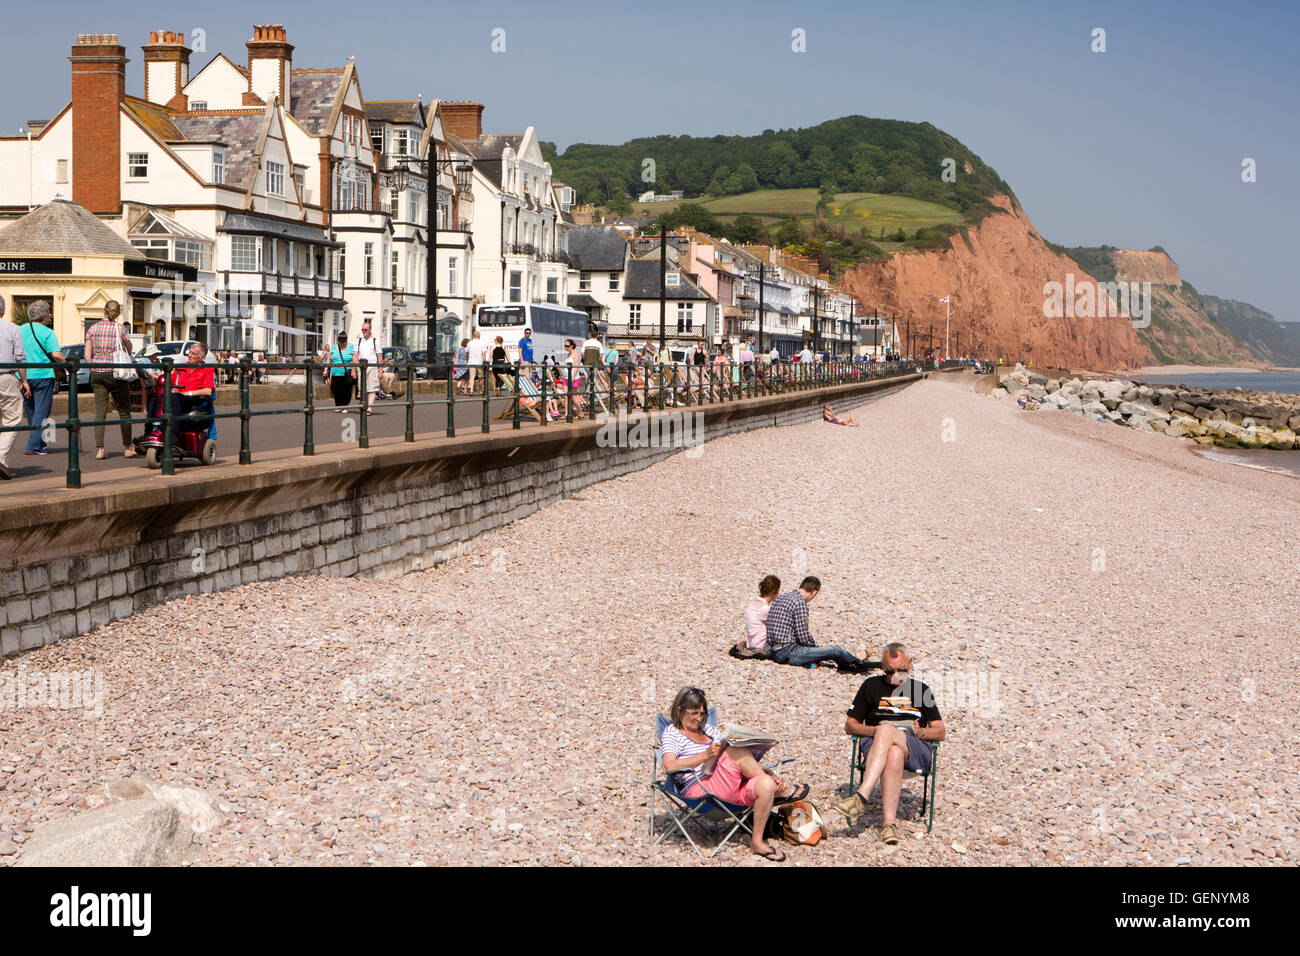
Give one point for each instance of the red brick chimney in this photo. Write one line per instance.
(270, 60)
(98, 90)
(166, 69)
(462, 118)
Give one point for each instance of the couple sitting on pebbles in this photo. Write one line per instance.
(894, 715)
(776, 628)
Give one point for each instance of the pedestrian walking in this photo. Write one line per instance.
(339, 371)
(368, 351)
(41, 345)
(13, 387)
(474, 355)
(104, 340)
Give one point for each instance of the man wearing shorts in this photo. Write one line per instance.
(897, 719)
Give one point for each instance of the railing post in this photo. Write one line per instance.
(410, 400)
(591, 390)
(487, 421)
(451, 400)
(568, 394)
(245, 451)
(168, 464)
(660, 367)
(514, 372)
(546, 405)
(74, 430)
(363, 440)
(309, 415)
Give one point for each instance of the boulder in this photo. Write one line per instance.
(1179, 428)
(1126, 407)
(1113, 389)
(1283, 438)
(1036, 392)
(1183, 407)
(1110, 403)
(1093, 409)
(1013, 387)
(130, 833)
(1088, 394)
(1053, 384)
(1203, 413)
(1038, 380)
(1218, 415)
(199, 810)
(1145, 393)
(1130, 393)
(1293, 423)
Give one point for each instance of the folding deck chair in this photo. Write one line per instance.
(682, 809)
(858, 764)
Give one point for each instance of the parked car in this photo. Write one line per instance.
(78, 352)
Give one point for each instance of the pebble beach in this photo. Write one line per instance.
(1108, 622)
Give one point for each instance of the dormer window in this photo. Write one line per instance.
(199, 106)
(218, 166)
(673, 279)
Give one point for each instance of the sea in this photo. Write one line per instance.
(1278, 462)
(1258, 381)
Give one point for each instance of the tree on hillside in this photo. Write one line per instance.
(689, 214)
(790, 233)
(748, 179)
(718, 184)
(746, 229)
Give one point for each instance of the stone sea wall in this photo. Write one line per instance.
(1229, 418)
(80, 559)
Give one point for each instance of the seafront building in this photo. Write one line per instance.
(273, 206)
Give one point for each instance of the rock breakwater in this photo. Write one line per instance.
(1233, 418)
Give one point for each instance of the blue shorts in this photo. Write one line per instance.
(920, 755)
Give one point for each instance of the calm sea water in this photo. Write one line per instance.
(1278, 462)
(1258, 381)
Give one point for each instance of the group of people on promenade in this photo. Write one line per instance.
(108, 357)
(893, 714)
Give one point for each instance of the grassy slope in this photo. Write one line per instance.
(854, 211)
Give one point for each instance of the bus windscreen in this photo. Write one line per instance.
(510, 316)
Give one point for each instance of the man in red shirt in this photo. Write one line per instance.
(193, 386)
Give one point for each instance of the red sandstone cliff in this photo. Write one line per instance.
(996, 284)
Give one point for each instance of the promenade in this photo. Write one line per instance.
(1107, 621)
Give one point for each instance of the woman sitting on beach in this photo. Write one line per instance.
(829, 416)
(756, 615)
(729, 773)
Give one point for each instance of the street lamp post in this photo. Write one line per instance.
(433, 167)
(663, 291)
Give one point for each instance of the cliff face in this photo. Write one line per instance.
(1182, 331)
(1267, 339)
(995, 277)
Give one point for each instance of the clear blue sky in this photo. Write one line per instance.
(1137, 146)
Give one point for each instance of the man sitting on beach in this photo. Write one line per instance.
(896, 718)
(789, 640)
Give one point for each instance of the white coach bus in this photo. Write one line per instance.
(551, 325)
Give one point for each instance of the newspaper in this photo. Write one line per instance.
(737, 736)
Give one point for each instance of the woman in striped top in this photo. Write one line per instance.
(728, 773)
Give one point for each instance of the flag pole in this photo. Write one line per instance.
(947, 322)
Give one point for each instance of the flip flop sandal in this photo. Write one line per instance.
(800, 792)
(774, 854)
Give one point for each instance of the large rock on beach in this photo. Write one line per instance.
(130, 833)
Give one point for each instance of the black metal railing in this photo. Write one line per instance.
(542, 393)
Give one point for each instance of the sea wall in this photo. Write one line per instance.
(75, 560)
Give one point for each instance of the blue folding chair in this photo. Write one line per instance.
(681, 810)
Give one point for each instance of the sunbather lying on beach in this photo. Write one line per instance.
(829, 416)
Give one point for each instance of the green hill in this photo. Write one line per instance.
(853, 154)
